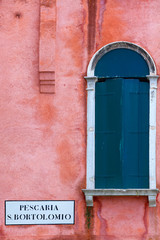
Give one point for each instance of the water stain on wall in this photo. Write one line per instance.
(145, 220)
(92, 9)
(102, 9)
(103, 222)
(64, 150)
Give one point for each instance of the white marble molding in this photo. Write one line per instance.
(90, 190)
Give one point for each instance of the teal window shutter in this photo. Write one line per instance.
(108, 134)
(136, 133)
(122, 133)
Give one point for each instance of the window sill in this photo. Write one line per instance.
(90, 193)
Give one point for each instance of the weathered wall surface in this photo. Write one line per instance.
(43, 136)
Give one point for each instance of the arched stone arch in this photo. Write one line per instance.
(115, 45)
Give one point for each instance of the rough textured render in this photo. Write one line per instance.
(43, 136)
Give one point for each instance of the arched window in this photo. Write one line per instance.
(121, 123)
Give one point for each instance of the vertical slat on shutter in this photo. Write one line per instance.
(130, 133)
(144, 136)
(136, 135)
(108, 134)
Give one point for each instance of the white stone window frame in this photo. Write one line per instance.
(90, 190)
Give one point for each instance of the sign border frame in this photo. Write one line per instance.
(40, 201)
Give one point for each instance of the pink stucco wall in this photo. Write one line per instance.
(43, 136)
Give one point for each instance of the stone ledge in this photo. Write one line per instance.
(151, 193)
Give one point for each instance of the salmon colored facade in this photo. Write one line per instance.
(45, 50)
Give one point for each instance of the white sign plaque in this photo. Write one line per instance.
(39, 212)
